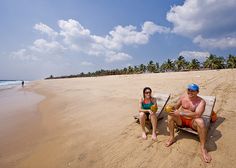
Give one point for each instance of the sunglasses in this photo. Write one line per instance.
(147, 92)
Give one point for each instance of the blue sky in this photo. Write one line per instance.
(39, 38)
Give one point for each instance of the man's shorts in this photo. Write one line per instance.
(186, 122)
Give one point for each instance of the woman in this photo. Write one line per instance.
(145, 112)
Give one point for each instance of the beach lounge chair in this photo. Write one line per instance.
(210, 103)
(162, 99)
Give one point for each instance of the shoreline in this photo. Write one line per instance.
(20, 124)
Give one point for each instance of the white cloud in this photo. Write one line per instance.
(23, 55)
(45, 29)
(194, 54)
(185, 18)
(72, 28)
(112, 57)
(151, 28)
(73, 37)
(80, 38)
(129, 35)
(41, 48)
(74, 34)
(126, 35)
(86, 63)
(42, 45)
(212, 19)
(195, 17)
(222, 43)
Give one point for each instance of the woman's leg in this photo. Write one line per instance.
(154, 125)
(142, 119)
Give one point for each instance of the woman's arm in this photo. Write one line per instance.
(154, 101)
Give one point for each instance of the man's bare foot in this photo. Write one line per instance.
(205, 155)
(170, 141)
(154, 136)
(144, 136)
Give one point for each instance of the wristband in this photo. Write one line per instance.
(181, 113)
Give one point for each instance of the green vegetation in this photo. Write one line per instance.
(180, 64)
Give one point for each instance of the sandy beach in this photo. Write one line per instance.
(88, 122)
(19, 125)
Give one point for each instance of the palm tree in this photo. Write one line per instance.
(167, 66)
(151, 67)
(116, 71)
(214, 62)
(142, 68)
(157, 67)
(136, 69)
(81, 74)
(130, 70)
(125, 71)
(181, 63)
(231, 61)
(194, 64)
(163, 67)
(170, 65)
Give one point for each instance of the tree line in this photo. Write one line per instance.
(180, 64)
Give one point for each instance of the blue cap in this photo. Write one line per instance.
(193, 87)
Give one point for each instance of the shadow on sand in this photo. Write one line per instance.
(212, 136)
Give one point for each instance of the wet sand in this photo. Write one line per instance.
(19, 125)
(87, 122)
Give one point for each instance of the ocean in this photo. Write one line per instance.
(7, 84)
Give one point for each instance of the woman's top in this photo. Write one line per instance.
(147, 106)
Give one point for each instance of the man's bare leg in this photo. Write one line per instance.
(154, 126)
(199, 125)
(142, 119)
(171, 125)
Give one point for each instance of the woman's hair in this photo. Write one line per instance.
(144, 90)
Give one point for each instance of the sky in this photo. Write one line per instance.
(63, 37)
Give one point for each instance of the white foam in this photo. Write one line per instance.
(10, 84)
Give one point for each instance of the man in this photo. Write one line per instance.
(22, 83)
(187, 113)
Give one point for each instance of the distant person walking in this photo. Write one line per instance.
(22, 83)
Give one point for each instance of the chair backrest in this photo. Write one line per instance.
(162, 100)
(210, 103)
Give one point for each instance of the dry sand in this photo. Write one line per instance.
(87, 122)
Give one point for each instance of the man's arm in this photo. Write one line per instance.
(178, 104)
(176, 107)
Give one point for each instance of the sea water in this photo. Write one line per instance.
(7, 84)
